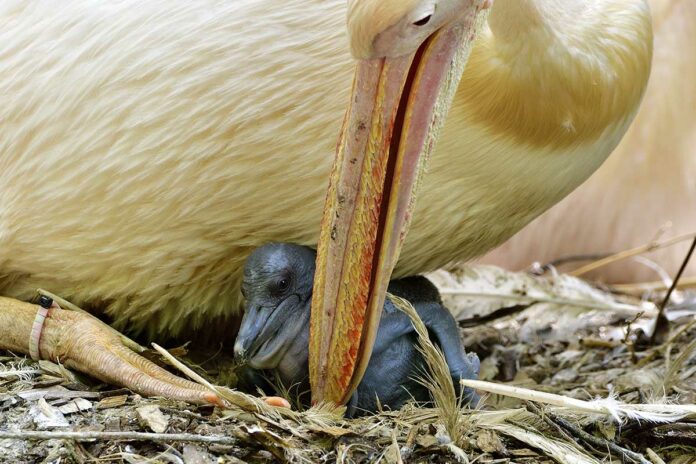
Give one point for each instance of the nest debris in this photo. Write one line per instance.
(49, 414)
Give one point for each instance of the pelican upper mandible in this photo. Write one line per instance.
(147, 147)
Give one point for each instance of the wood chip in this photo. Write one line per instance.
(196, 455)
(46, 416)
(393, 453)
(489, 442)
(75, 405)
(151, 416)
(426, 441)
(56, 393)
(112, 402)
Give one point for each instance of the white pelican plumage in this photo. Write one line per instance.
(147, 147)
(647, 182)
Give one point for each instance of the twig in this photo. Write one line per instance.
(90, 435)
(632, 252)
(574, 258)
(539, 412)
(656, 285)
(541, 299)
(599, 442)
(661, 320)
(654, 458)
(237, 399)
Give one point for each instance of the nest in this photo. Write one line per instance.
(588, 387)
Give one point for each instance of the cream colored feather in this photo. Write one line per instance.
(649, 180)
(147, 147)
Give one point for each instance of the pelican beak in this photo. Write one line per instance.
(397, 108)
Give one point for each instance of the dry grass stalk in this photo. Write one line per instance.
(438, 380)
(317, 417)
(558, 450)
(238, 399)
(672, 377)
(655, 286)
(538, 299)
(654, 458)
(527, 428)
(652, 246)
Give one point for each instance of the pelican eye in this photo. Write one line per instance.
(423, 21)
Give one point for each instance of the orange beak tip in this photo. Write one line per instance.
(277, 402)
(212, 398)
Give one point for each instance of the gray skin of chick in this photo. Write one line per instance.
(274, 334)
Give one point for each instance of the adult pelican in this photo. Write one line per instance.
(647, 182)
(146, 148)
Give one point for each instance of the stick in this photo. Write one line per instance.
(599, 442)
(654, 457)
(541, 299)
(560, 430)
(687, 282)
(84, 436)
(661, 319)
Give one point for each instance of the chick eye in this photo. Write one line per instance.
(283, 284)
(423, 21)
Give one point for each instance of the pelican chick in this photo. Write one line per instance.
(274, 335)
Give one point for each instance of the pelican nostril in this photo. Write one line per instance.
(423, 21)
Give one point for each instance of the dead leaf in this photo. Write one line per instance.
(564, 305)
